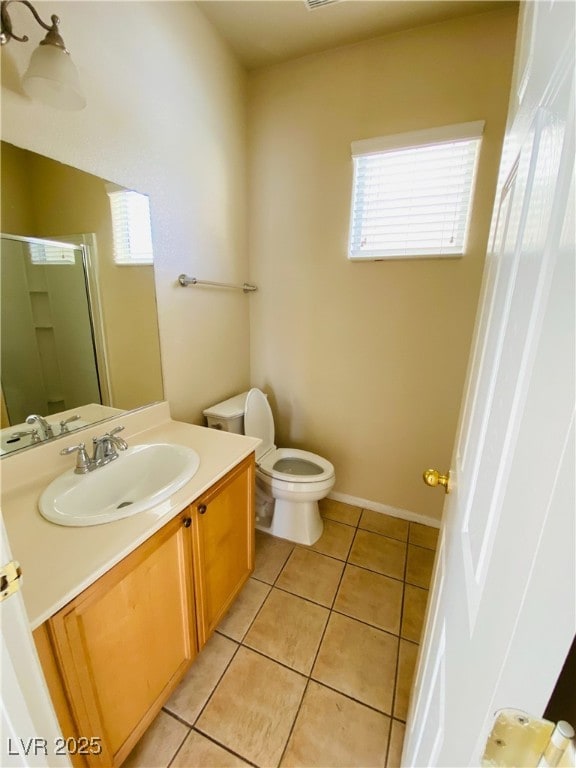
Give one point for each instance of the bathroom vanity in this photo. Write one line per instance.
(119, 611)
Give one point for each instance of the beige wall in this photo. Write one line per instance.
(365, 362)
(16, 214)
(165, 116)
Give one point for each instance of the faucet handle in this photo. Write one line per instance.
(72, 448)
(34, 436)
(82, 460)
(64, 423)
(105, 447)
(117, 441)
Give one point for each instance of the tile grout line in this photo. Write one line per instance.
(397, 675)
(294, 720)
(308, 676)
(293, 724)
(216, 684)
(209, 698)
(241, 641)
(179, 747)
(378, 533)
(345, 562)
(333, 610)
(176, 717)
(328, 608)
(241, 644)
(224, 746)
(331, 607)
(397, 670)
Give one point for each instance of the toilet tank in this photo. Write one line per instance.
(227, 415)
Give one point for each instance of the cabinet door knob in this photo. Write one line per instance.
(187, 522)
(202, 508)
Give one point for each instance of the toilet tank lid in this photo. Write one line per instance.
(228, 409)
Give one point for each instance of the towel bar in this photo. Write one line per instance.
(184, 281)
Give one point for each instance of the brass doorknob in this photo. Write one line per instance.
(433, 478)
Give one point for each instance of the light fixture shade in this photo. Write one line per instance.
(53, 79)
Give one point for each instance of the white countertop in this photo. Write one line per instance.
(59, 562)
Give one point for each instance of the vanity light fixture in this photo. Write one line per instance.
(51, 76)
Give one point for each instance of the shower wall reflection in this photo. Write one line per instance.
(47, 353)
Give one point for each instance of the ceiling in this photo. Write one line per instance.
(264, 32)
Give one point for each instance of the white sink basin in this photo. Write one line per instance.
(141, 478)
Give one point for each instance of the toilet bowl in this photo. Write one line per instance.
(289, 481)
(295, 479)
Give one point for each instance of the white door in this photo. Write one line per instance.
(502, 606)
(29, 732)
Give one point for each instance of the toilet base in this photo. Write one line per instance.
(299, 522)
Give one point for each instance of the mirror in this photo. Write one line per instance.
(88, 319)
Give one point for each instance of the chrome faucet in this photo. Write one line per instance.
(104, 448)
(46, 431)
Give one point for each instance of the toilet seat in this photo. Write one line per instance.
(316, 469)
(259, 422)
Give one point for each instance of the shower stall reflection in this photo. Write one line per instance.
(48, 359)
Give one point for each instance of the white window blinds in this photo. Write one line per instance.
(42, 253)
(412, 193)
(130, 226)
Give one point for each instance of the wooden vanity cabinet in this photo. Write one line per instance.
(124, 644)
(223, 545)
(115, 653)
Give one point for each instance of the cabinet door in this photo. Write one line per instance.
(223, 545)
(126, 641)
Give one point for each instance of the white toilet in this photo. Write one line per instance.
(289, 482)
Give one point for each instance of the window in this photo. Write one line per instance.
(43, 253)
(130, 226)
(412, 193)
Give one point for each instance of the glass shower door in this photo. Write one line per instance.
(48, 361)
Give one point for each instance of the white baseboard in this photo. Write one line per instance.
(384, 509)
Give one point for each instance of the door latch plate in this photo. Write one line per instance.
(10, 579)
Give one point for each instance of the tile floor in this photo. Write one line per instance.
(313, 664)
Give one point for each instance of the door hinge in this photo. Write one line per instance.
(10, 576)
